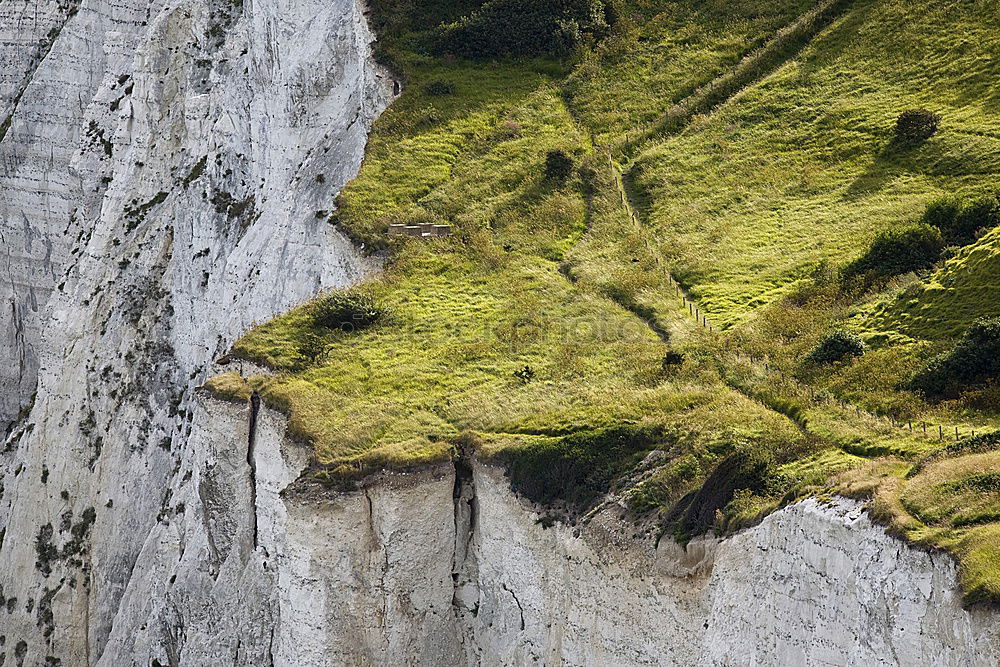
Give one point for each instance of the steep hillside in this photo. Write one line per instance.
(727, 163)
(940, 307)
(800, 169)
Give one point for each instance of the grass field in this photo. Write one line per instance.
(797, 171)
(753, 206)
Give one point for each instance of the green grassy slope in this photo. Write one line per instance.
(964, 289)
(797, 170)
(752, 206)
(663, 52)
(469, 311)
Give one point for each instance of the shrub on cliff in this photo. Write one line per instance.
(836, 346)
(974, 359)
(348, 310)
(750, 468)
(512, 28)
(578, 469)
(897, 252)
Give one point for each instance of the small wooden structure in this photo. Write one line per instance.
(425, 230)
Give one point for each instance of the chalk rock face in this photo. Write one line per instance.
(812, 585)
(828, 587)
(167, 170)
(445, 566)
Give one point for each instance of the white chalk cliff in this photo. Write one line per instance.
(166, 171)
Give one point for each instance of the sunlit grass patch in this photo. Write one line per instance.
(957, 492)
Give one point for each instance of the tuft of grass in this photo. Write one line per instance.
(229, 386)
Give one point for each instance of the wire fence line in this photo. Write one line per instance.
(922, 428)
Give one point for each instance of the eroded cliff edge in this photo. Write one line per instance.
(166, 173)
(446, 566)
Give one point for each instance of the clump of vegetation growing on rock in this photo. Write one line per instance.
(578, 469)
(229, 387)
(45, 551)
(750, 469)
(347, 310)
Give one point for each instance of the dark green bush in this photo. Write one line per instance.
(671, 360)
(750, 468)
(578, 469)
(312, 346)
(961, 223)
(348, 310)
(943, 211)
(524, 28)
(837, 345)
(558, 165)
(915, 126)
(439, 88)
(897, 252)
(974, 359)
(525, 375)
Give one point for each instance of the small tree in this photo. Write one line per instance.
(836, 346)
(915, 126)
(558, 165)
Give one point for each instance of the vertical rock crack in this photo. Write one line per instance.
(252, 462)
